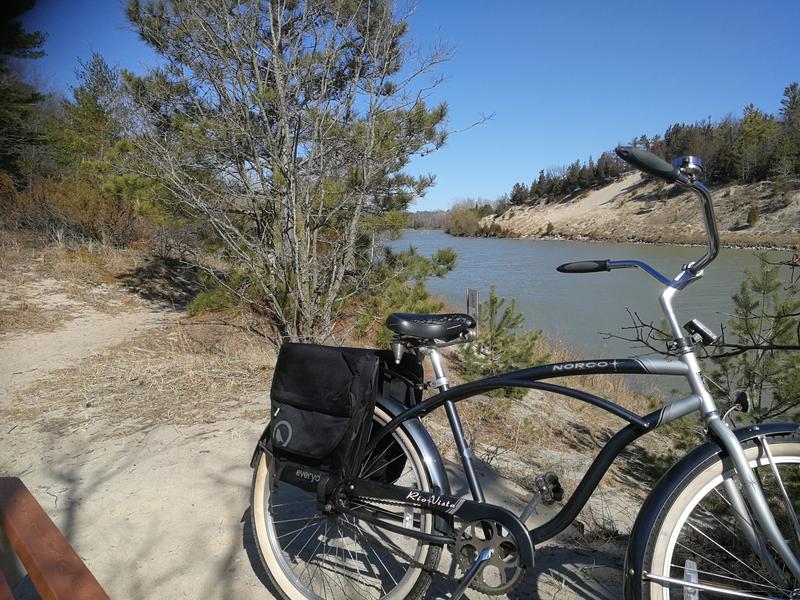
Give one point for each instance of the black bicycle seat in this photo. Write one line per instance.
(444, 327)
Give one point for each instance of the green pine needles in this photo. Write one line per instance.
(502, 344)
(762, 338)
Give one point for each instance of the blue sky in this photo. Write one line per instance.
(564, 80)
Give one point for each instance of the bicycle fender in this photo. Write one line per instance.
(662, 493)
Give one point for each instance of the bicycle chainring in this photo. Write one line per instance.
(502, 572)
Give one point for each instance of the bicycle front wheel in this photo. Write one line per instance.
(310, 554)
(698, 541)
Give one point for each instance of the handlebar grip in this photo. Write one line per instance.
(584, 266)
(649, 163)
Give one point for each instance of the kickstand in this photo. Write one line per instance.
(485, 555)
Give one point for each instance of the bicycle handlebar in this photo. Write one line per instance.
(584, 266)
(712, 234)
(650, 163)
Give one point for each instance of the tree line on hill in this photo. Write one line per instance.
(756, 147)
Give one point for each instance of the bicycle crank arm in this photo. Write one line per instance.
(484, 556)
(466, 510)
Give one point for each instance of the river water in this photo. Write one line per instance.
(579, 308)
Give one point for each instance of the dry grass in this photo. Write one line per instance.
(20, 313)
(189, 372)
(43, 284)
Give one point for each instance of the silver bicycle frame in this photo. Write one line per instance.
(699, 400)
(710, 413)
(749, 483)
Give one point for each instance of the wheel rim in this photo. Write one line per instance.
(327, 557)
(705, 546)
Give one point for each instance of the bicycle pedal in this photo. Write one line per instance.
(530, 508)
(549, 487)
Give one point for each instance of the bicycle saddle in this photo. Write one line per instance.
(443, 327)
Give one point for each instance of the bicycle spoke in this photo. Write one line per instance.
(731, 578)
(731, 554)
(383, 466)
(295, 530)
(378, 557)
(311, 537)
(293, 503)
(784, 494)
(767, 550)
(371, 460)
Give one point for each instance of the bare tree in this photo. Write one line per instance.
(285, 127)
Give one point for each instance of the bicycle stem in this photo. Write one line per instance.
(712, 234)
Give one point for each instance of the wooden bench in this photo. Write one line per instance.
(53, 567)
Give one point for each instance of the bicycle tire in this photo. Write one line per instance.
(696, 538)
(286, 580)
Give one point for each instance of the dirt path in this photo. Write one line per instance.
(28, 358)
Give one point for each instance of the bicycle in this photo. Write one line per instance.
(722, 521)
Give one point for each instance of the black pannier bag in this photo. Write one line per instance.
(322, 400)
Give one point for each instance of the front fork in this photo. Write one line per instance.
(755, 499)
(727, 439)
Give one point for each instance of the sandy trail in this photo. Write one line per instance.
(28, 358)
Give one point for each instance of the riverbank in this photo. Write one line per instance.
(645, 211)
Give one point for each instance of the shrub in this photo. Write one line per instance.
(8, 199)
(72, 207)
(226, 293)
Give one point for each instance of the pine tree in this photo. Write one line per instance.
(92, 127)
(790, 104)
(788, 152)
(519, 193)
(18, 99)
(766, 314)
(501, 345)
(285, 129)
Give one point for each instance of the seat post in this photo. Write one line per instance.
(455, 424)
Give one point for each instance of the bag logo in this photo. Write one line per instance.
(449, 505)
(282, 433)
(315, 477)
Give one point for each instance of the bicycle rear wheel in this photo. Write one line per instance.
(310, 554)
(698, 543)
